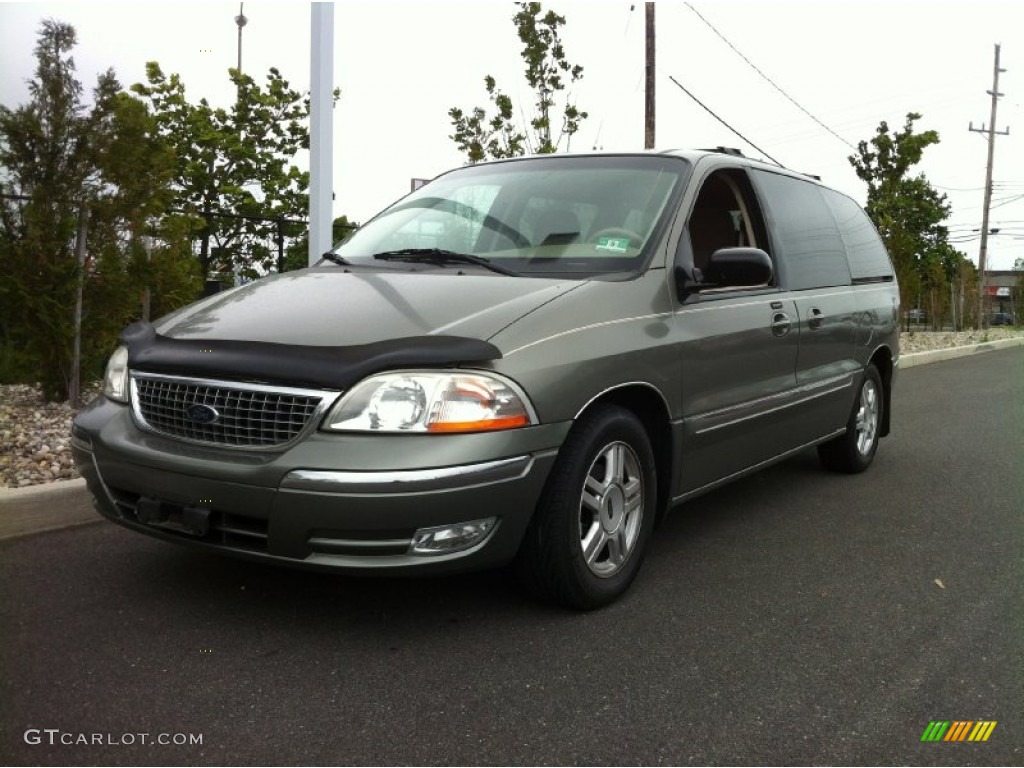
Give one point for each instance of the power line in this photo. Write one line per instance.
(710, 112)
(768, 79)
(1006, 202)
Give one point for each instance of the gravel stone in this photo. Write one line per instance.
(35, 436)
(928, 341)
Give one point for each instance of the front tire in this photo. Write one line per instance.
(591, 528)
(853, 452)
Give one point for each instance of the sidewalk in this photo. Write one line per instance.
(66, 503)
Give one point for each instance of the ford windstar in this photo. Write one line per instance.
(526, 361)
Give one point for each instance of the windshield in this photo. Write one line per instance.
(568, 216)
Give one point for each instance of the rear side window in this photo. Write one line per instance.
(869, 261)
(807, 241)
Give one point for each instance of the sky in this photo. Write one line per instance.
(402, 66)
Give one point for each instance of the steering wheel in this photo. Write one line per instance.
(617, 232)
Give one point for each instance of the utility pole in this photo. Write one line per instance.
(992, 133)
(649, 98)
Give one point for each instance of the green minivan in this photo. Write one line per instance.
(527, 361)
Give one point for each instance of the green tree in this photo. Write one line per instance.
(549, 73)
(907, 211)
(59, 156)
(48, 172)
(234, 174)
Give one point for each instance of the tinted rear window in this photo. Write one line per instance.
(868, 258)
(806, 238)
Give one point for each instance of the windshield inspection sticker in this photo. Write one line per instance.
(614, 244)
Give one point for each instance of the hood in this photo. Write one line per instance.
(329, 306)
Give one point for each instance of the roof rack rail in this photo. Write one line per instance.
(726, 151)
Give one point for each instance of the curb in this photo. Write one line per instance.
(66, 503)
(49, 507)
(950, 353)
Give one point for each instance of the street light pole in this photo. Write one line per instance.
(321, 124)
(241, 21)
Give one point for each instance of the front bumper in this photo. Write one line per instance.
(331, 502)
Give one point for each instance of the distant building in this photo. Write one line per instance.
(1000, 293)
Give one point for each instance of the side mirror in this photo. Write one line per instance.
(741, 267)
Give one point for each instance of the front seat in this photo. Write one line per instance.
(711, 229)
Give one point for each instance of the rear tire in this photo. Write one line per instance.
(853, 452)
(591, 528)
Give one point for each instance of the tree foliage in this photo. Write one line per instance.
(549, 74)
(909, 213)
(234, 175)
(59, 155)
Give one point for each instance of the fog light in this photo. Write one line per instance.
(451, 538)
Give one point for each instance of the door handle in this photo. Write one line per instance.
(780, 324)
(814, 323)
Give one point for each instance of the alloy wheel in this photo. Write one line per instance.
(611, 509)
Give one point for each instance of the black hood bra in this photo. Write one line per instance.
(296, 364)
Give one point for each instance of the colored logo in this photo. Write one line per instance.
(198, 413)
(958, 730)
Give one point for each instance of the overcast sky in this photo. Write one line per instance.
(401, 66)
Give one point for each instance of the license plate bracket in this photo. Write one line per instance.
(190, 520)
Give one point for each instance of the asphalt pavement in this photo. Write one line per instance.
(796, 617)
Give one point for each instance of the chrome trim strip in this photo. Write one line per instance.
(246, 385)
(407, 481)
(621, 386)
(327, 399)
(809, 388)
(321, 544)
(754, 468)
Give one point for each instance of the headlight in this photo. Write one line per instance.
(430, 402)
(115, 380)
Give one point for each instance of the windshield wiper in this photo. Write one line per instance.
(440, 256)
(332, 256)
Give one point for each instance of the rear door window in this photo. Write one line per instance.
(806, 237)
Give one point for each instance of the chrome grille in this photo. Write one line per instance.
(249, 415)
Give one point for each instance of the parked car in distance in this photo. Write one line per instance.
(527, 361)
(1003, 318)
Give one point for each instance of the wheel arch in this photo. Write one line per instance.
(649, 405)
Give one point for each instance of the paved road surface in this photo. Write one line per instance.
(793, 618)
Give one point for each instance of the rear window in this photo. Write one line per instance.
(868, 259)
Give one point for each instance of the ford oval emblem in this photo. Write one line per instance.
(198, 413)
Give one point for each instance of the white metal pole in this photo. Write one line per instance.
(321, 123)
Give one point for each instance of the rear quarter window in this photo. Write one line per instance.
(804, 231)
(869, 261)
